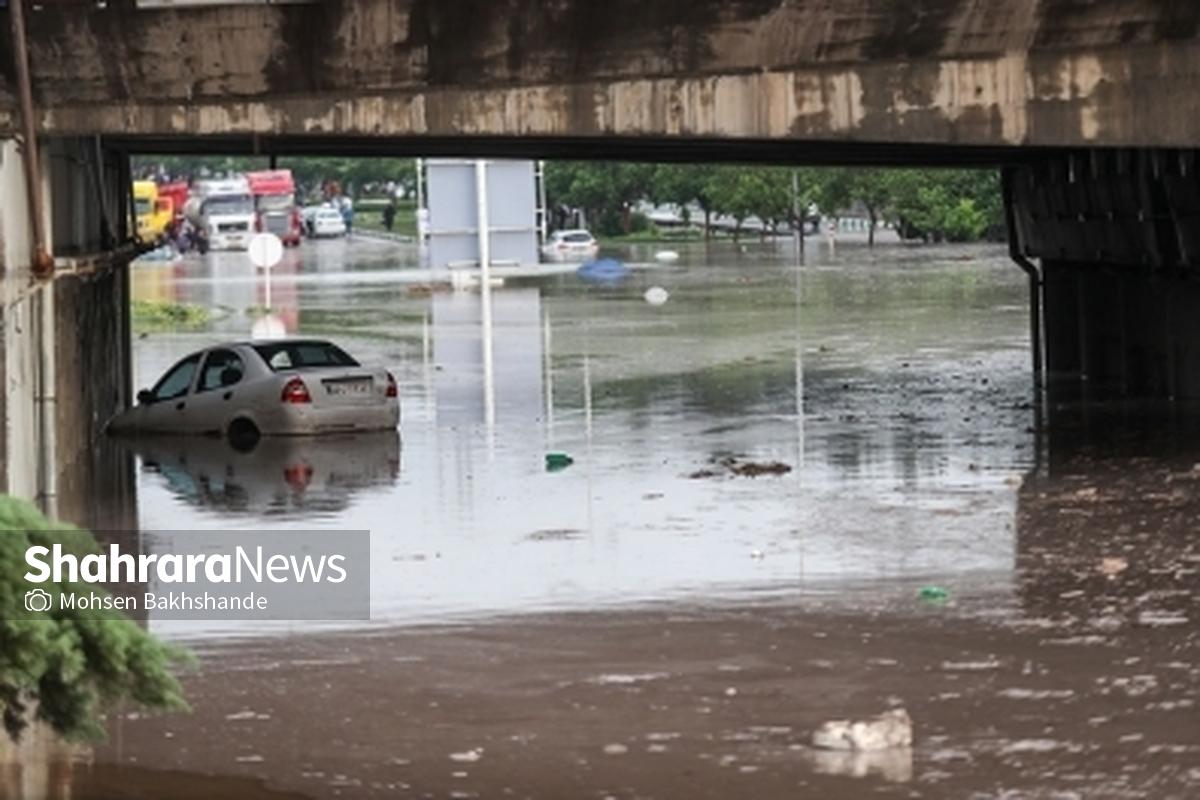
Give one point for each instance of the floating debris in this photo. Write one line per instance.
(558, 461)
(1112, 566)
(889, 729)
(603, 270)
(657, 296)
(555, 535)
(933, 594)
(732, 465)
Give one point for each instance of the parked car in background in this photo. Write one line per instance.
(570, 245)
(264, 388)
(326, 221)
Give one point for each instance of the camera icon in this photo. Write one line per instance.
(38, 600)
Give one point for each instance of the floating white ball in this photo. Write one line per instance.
(656, 295)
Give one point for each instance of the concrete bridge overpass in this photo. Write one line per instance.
(1009, 73)
(1088, 107)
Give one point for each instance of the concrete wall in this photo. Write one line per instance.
(960, 72)
(22, 317)
(66, 349)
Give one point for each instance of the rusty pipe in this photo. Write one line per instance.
(42, 263)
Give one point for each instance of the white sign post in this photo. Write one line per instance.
(265, 251)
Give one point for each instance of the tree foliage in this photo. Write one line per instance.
(65, 667)
(605, 191)
(310, 172)
(934, 205)
(954, 205)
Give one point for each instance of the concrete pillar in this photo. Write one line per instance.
(1115, 235)
(65, 359)
(23, 306)
(1061, 318)
(1123, 333)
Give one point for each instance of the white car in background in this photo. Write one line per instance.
(244, 390)
(325, 221)
(570, 245)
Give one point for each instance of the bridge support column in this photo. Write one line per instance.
(64, 340)
(1117, 235)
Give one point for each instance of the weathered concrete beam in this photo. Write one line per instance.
(1010, 73)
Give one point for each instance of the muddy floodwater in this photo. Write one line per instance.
(652, 621)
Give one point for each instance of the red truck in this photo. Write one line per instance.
(275, 204)
(177, 193)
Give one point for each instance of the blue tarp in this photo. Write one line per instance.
(603, 270)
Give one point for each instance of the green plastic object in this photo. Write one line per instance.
(557, 461)
(933, 594)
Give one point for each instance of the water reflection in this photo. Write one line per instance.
(288, 476)
(39, 766)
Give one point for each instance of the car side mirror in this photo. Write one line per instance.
(145, 397)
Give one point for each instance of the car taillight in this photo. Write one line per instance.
(391, 386)
(298, 476)
(562, 247)
(294, 391)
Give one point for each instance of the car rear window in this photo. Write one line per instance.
(577, 237)
(303, 355)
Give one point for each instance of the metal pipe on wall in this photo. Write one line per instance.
(42, 263)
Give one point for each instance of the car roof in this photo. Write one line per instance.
(259, 342)
(570, 231)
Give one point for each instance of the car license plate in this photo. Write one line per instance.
(343, 388)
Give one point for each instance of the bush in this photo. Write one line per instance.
(964, 222)
(639, 223)
(65, 667)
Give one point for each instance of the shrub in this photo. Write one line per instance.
(963, 222)
(65, 667)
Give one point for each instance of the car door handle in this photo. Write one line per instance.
(179, 406)
(227, 395)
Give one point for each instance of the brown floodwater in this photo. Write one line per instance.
(649, 623)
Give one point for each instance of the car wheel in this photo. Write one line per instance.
(243, 434)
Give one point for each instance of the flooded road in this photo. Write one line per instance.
(914, 410)
(647, 622)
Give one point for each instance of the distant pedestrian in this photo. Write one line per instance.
(348, 214)
(389, 216)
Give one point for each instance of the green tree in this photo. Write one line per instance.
(310, 172)
(606, 191)
(64, 667)
(954, 205)
(684, 185)
(734, 194)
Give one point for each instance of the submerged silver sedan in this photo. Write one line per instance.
(265, 388)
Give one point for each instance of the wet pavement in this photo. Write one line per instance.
(646, 623)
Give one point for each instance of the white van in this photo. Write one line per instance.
(224, 211)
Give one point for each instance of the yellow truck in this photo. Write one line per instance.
(154, 213)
